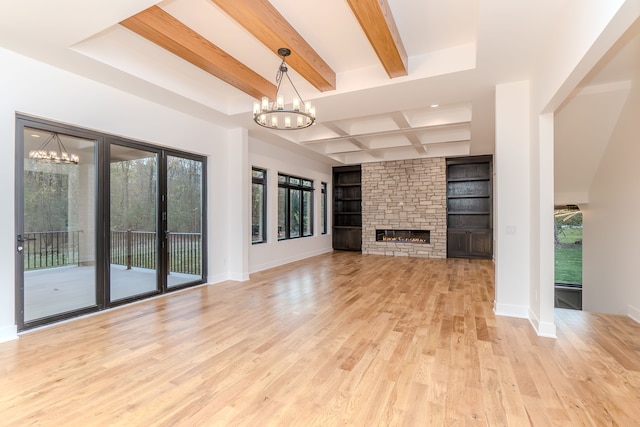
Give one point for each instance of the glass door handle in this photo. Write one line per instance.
(21, 239)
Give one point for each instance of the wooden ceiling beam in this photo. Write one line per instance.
(378, 24)
(261, 19)
(166, 31)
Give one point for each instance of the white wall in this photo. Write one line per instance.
(512, 211)
(37, 89)
(276, 159)
(610, 221)
(238, 203)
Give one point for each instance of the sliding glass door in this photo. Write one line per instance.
(133, 187)
(56, 229)
(102, 221)
(184, 220)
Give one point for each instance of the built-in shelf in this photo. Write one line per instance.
(347, 208)
(469, 233)
(467, 179)
(468, 213)
(470, 196)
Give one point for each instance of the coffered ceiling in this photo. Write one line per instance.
(391, 79)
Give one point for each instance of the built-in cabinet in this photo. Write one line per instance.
(347, 208)
(469, 207)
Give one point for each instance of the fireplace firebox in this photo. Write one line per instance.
(403, 236)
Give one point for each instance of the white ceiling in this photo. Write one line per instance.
(458, 50)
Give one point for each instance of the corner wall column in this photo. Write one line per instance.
(239, 187)
(512, 200)
(542, 292)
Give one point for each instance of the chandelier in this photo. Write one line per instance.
(60, 155)
(274, 114)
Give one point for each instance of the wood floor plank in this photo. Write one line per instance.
(338, 339)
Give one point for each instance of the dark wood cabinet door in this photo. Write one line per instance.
(469, 243)
(457, 243)
(481, 243)
(347, 239)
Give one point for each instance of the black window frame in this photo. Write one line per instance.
(102, 232)
(263, 182)
(301, 185)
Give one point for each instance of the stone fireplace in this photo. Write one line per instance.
(400, 196)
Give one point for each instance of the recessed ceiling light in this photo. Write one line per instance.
(434, 105)
(35, 135)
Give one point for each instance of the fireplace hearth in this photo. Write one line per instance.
(403, 236)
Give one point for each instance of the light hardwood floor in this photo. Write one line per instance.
(338, 339)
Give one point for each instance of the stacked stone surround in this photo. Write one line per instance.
(405, 195)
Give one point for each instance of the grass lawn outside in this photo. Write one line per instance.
(568, 256)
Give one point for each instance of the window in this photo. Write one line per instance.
(323, 208)
(258, 205)
(568, 257)
(295, 207)
(568, 245)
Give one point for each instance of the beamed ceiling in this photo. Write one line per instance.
(395, 134)
(374, 69)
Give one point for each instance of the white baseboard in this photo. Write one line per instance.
(287, 260)
(543, 329)
(634, 313)
(509, 310)
(547, 329)
(216, 279)
(223, 277)
(8, 333)
(238, 277)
